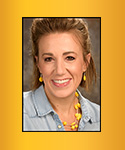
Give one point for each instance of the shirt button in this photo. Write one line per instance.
(59, 126)
(86, 119)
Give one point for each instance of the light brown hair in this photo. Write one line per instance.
(43, 26)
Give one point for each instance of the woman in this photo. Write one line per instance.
(62, 61)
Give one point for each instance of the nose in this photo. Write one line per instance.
(60, 67)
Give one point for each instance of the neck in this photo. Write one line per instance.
(62, 105)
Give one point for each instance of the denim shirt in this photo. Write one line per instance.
(38, 114)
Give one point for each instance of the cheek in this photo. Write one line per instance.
(78, 67)
(45, 70)
(76, 71)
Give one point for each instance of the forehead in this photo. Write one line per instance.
(60, 41)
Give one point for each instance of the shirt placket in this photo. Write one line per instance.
(59, 124)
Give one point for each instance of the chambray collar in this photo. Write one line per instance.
(85, 112)
(41, 103)
(43, 106)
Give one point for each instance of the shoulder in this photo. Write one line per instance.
(27, 96)
(28, 104)
(92, 109)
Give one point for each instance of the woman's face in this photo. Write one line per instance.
(61, 63)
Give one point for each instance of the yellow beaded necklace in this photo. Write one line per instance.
(78, 116)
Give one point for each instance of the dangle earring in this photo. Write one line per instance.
(41, 78)
(84, 76)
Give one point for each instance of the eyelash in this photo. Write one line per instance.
(49, 59)
(70, 58)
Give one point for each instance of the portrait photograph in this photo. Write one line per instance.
(61, 74)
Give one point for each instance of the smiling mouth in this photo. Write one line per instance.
(61, 82)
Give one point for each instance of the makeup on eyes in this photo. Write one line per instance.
(70, 56)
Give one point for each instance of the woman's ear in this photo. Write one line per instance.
(88, 57)
(37, 62)
(36, 57)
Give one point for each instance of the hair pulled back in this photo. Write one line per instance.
(44, 26)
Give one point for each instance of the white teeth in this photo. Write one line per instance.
(61, 81)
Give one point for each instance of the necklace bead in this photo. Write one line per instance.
(79, 105)
(76, 94)
(76, 107)
(74, 125)
(64, 123)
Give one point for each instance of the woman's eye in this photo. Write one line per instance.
(48, 59)
(70, 58)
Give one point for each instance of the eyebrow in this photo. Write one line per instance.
(51, 54)
(47, 54)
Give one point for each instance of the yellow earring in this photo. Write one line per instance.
(84, 77)
(41, 78)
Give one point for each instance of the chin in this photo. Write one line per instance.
(63, 94)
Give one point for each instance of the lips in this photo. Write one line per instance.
(61, 82)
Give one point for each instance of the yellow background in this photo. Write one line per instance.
(112, 75)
